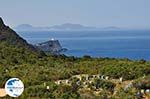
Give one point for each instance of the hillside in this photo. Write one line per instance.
(12, 38)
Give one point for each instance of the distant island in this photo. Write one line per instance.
(62, 27)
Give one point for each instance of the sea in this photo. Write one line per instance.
(132, 44)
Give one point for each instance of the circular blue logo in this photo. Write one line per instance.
(14, 87)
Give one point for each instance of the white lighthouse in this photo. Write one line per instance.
(52, 39)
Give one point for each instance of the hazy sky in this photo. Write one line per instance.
(99, 13)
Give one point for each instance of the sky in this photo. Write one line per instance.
(98, 13)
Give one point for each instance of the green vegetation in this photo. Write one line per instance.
(142, 83)
(107, 85)
(39, 72)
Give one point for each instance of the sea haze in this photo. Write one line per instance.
(132, 44)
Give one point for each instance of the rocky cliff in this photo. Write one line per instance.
(52, 46)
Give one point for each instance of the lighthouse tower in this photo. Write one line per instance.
(52, 39)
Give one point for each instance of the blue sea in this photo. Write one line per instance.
(132, 44)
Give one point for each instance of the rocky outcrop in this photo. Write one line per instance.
(51, 46)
